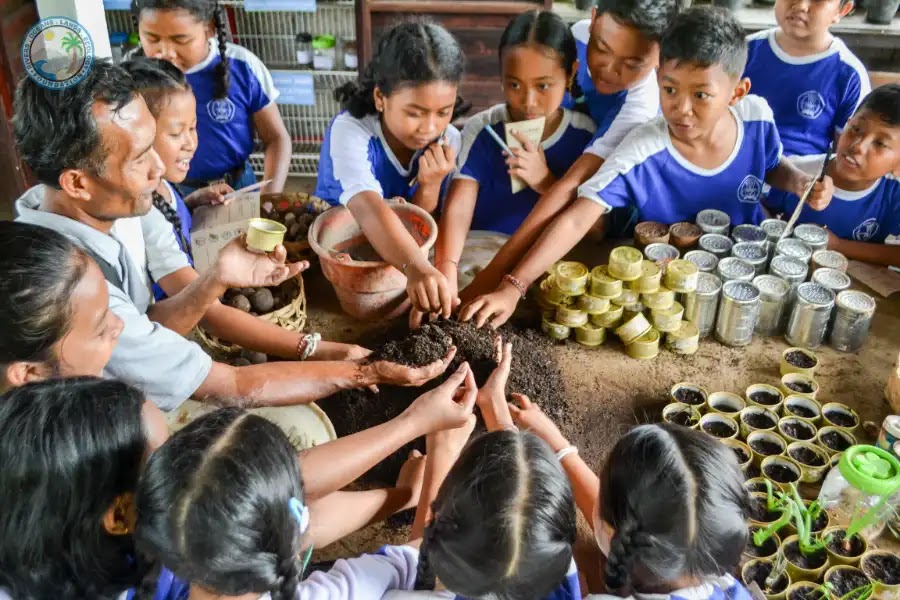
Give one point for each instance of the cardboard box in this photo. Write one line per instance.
(215, 226)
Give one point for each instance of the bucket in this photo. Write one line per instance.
(367, 288)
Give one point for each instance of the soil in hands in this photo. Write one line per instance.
(798, 430)
(805, 456)
(766, 448)
(804, 561)
(800, 360)
(534, 373)
(847, 580)
(835, 441)
(759, 572)
(802, 411)
(719, 429)
(884, 568)
(840, 545)
(689, 396)
(780, 473)
(801, 387)
(765, 398)
(759, 421)
(840, 418)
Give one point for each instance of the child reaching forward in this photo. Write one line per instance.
(864, 216)
(812, 81)
(713, 147)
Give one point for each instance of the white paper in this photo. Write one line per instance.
(533, 130)
(215, 226)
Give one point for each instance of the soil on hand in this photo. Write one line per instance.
(533, 373)
(765, 398)
(804, 561)
(759, 512)
(838, 544)
(688, 396)
(766, 448)
(840, 418)
(719, 429)
(780, 473)
(835, 441)
(682, 418)
(801, 387)
(800, 360)
(798, 430)
(846, 580)
(802, 411)
(768, 547)
(884, 568)
(741, 454)
(805, 456)
(759, 572)
(759, 421)
(810, 592)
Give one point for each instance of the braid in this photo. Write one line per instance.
(425, 577)
(357, 97)
(621, 557)
(288, 579)
(172, 217)
(223, 69)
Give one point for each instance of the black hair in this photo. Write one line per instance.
(205, 11)
(548, 29)
(706, 36)
(650, 17)
(408, 54)
(39, 270)
(156, 80)
(214, 506)
(676, 500)
(884, 101)
(69, 448)
(504, 521)
(55, 129)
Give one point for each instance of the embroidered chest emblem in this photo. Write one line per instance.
(810, 104)
(750, 189)
(221, 111)
(866, 230)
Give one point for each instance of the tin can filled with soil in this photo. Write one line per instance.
(681, 276)
(660, 299)
(650, 232)
(650, 278)
(799, 384)
(764, 444)
(714, 221)
(661, 253)
(690, 394)
(853, 315)
(735, 269)
(678, 413)
(774, 293)
(798, 360)
(803, 566)
(805, 590)
(803, 407)
(757, 572)
(764, 395)
(741, 450)
(719, 426)
(603, 284)
(829, 259)
(701, 306)
(835, 440)
(759, 514)
(706, 262)
(846, 581)
(883, 568)
(794, 248)
(625, 263)
(726, 403)
(685, 340)
(738, 313)
(810, 315)
(684, 235)
(812, 235)
(754, 254)
(796, 430)
(716, 244)
(813, 461)
(841, 416)
(843, 550)
(645, 347)
(756, 418)
(768, 549)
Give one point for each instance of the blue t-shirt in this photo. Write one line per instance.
(647, 171)
(871, 215)
(356, 158)
(168, 587)
(482, 160)
(812, 97)
(225, 126)
(186, 222)
(614, 115)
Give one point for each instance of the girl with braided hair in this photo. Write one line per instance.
(234, 91)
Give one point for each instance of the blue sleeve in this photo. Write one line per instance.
(855, 89)
(773, 147)
(476, 159)
(262, 90)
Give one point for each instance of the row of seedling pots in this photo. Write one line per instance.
(841, 582)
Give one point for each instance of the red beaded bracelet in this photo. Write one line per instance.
(516, 282)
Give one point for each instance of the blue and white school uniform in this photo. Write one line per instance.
(648, 172)
(716, 588)
(356, 158)
(482, 160)
(615, 115)
(184, 214)
(225, 126)
(168, 587)
(871, 215)
(812, 97)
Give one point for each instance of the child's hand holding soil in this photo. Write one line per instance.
(448, 406)
(390, 373)
(528, 415)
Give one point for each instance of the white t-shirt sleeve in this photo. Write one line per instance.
(856, 87)
(349, 153)
(366, 577)
(164, 255)
(641, 106)
(267, 93)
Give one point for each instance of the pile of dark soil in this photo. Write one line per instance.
(718, 429)
(841, 419)
(800, 360)
(804, 561)
(741, 454)
(759, 572)
(846, 581)
(689, 396)
(802, 411)
(767, 548)
(838, 544)
(533, 373)
(798, 430)
(759, 420)
(806, 592)
(800, 386)
(759, 512)
(884, 568)
(780, 473)
(765, 447)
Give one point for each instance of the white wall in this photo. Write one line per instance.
(89, 13)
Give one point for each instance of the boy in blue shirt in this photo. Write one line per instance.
(713, 147)
(810, 78)
(864, 216)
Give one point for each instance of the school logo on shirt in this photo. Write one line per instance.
(810, 104)
(750, 189)
(221, 111)
(866, 230)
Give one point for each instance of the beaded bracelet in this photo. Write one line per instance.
(308, 344)
(516, 282)
(566, 452)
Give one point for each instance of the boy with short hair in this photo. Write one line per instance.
(864, 215)
(713, 147)
(812, 81)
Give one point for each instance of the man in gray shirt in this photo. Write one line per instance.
(91, 146)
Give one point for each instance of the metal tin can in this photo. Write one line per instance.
(809, 316)
(700, 307)
(793, 271)
(667, 319)
(794, 248)
(753, 253)
(852, 319)
(603, 284)
(834, 280)
(773, 228)
(774, 293)
(571, 277)
(704, 261)
(645, 347)
(749, 234)
(738, 313)
(830, 259)
(625, 263)
(657, 252)
(812, 235)
(628, 296)
(609, 319)
(633, 328)
(716, 244)
(890, 433)
(684, 340)
(714, 221)
(650, 278)
(732, 268)
(661, 298)
(681, 276)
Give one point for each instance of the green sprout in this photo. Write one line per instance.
(863, 592)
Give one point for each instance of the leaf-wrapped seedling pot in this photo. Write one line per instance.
(755, 485)
(755, 418)
(719, 426)
(782, 470)
(835, 440)
(802, 407)
(766, 396)
(759, 514)
(793, 429)
(813, 460)
(767, 550)
(844, 579)
(799, 384)
(841, 552)
(764, 444)
(741, 450)
(678, 413)
(801, 567)
(725, 403)
(883, 568)
(757, 571)
(798, 360)
(689, 393)
(841, 416)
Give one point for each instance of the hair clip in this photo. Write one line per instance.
(300, 512)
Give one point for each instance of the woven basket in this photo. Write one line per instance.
(291, 317)
(313, 205)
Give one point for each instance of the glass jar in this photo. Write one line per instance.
(303, 49)
(324, 52)
(863, 491)
(351, 60)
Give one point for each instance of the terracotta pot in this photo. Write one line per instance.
(684, 236)
(651, 232)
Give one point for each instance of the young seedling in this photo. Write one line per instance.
(777, 569)
(861, 593)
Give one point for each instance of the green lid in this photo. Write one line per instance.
(323, 42)
(134, 39)
(870, 470)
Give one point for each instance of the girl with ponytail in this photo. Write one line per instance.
(234, 91)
